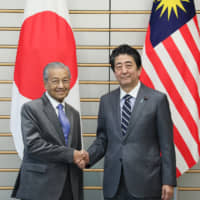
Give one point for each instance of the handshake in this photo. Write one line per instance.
(81, 158)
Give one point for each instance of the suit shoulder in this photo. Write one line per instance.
(32, 108)
(111, 94)
(71, 108)
(33, 103)
(154, 92)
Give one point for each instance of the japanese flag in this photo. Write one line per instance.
(46, 36)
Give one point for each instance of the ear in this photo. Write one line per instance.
(45, 85)
(139, 70)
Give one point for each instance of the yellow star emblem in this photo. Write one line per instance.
(171, 5)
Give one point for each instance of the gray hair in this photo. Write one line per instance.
(54, 65)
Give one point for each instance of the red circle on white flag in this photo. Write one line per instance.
(45, 37)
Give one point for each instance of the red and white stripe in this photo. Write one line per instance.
(173, 67)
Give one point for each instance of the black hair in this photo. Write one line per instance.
(125, 49)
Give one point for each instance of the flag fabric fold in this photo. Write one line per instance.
(171, 64)
(46, 36)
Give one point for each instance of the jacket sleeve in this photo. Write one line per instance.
(98, 148)
(37, 146)
(165, 135)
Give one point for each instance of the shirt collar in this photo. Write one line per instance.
(53, 101)
(133, 92)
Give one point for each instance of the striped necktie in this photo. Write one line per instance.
(64, 122)
(126, 114)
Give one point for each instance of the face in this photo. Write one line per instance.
(58, 84)
(126, 72)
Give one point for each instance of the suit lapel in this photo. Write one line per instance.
(54, 122)
(139, 106)
(116, 110)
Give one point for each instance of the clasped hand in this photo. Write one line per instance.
(81, 158)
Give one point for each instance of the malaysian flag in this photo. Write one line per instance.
(171, 64)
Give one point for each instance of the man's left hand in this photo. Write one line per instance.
(167, 192)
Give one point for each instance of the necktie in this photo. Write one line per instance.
(64, 122)
(126, 114)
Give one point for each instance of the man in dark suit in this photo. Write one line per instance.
(49, 169)
(135, 135)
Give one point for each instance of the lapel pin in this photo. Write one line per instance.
(143, 99)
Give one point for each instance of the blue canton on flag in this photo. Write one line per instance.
(163, 26)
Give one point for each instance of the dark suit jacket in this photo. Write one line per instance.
(47, 161)
(146, 152)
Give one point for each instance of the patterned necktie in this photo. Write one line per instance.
(126, 114)
(64, 122)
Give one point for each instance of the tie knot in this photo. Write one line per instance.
(60, 106)
(127, 97)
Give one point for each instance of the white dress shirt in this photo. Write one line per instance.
(133, 93)
(54, 103)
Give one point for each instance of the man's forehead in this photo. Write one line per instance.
(124, 61)
(59, 72)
